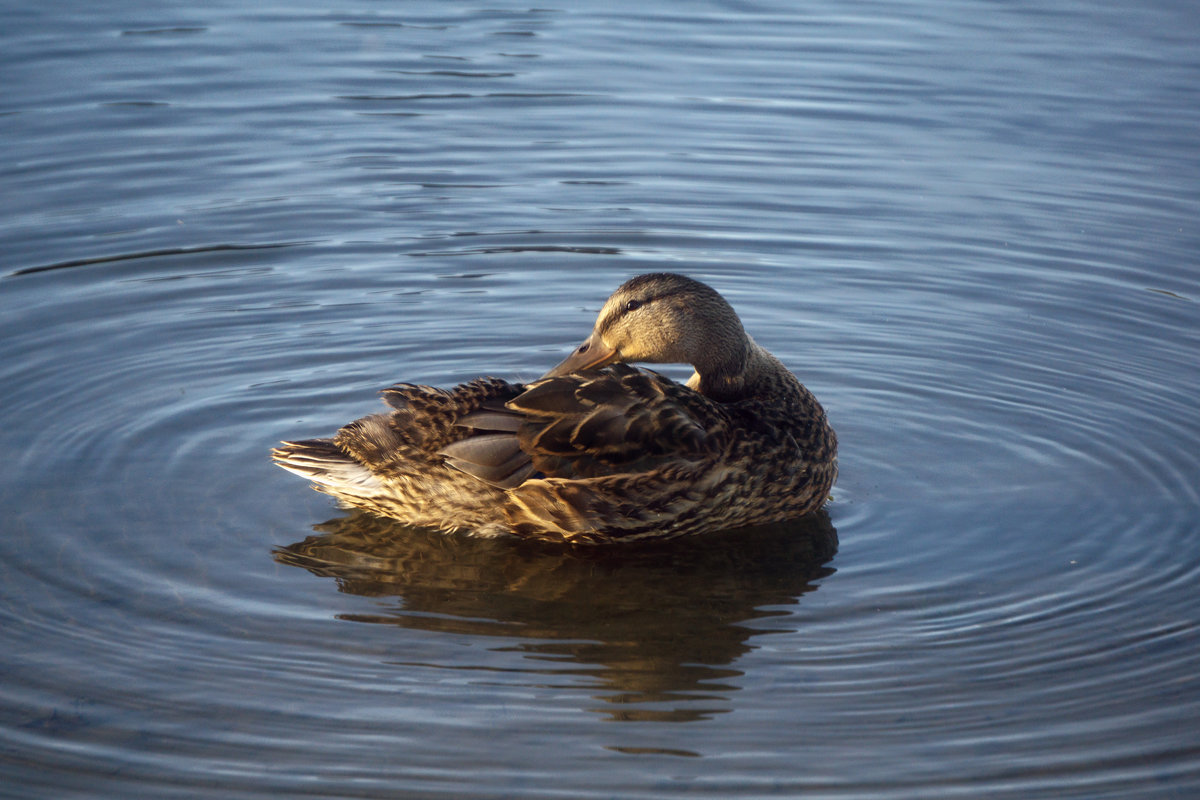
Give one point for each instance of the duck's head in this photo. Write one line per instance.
(665, 319)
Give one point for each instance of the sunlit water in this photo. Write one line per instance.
(969, 227)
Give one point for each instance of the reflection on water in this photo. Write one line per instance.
(656, 628)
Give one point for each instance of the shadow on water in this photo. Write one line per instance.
(650, 627)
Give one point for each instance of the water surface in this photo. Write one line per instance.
(968, 227)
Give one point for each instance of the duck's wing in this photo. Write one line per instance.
(620, 420)
(423, 420)
(429, 416)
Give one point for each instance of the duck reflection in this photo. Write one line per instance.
(655, 628)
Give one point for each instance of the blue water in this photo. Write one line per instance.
(968, 227)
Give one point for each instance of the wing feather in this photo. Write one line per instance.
(618, 421)
(615, 421)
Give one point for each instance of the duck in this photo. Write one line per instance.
(597, 450)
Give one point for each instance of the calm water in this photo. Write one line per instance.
(969, 227)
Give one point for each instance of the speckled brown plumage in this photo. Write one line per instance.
(597, 451)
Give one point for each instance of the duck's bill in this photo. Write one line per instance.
(592, 354)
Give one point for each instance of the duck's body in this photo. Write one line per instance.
(596, 453)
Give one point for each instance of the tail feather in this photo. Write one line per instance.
(327, 465)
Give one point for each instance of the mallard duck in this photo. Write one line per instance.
(596, 450)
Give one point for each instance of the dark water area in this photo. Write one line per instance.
(970, 228)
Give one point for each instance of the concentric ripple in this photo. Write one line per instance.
(970, 231)
(1013, 516)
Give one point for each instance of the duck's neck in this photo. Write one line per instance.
(740, 375)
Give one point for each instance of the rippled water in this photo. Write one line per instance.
(969, 227)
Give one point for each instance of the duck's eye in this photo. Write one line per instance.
(632, 305)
